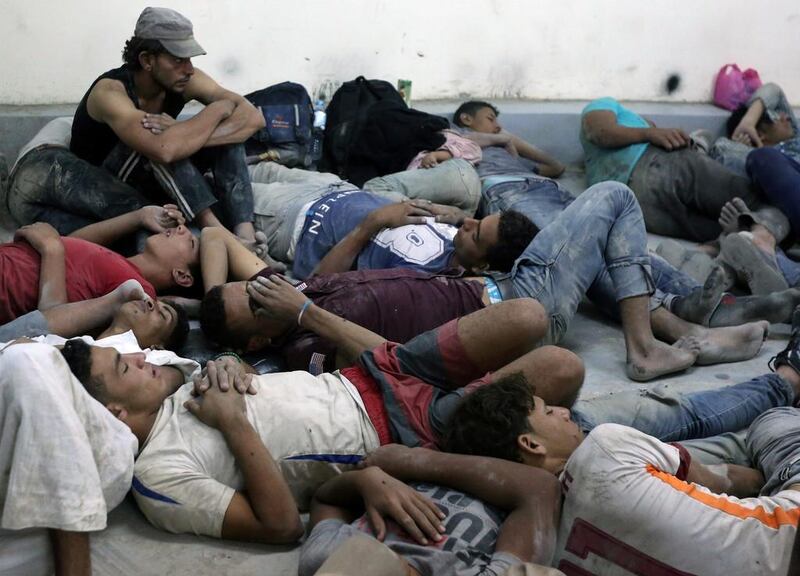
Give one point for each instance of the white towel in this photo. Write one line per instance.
(65, 461)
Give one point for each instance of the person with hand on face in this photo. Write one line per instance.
(75, 268)
(127, 123)
(681, 191)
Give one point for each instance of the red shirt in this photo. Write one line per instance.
(91, 271)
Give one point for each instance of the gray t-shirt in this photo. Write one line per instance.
(467, 548)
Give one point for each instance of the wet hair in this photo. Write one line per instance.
(177, 338)
(78, 355)
(515, 232)
(488, 421)
(214, 321)
(135, 46)
(471, 108)
(738, 114)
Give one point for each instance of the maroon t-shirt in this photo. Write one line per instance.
(398, 304)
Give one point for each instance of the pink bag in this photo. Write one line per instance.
(734, 87)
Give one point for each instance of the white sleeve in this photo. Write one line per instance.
(179, 498)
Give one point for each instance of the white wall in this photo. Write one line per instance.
(540, 49)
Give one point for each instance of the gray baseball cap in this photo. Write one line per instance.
(173, 30)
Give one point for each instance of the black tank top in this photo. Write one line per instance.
(93, 140)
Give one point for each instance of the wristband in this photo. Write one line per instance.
(231, 354)
(306, 304)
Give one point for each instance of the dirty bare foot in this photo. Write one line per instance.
(729, 215)
(731, 344)
(756, 267)
(659, 359)
(698, 306)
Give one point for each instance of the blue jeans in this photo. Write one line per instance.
(602, 230)
(539, 199)
(674, 416)
(773, 444)
(778, 177)
(183, 182)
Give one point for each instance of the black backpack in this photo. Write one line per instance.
(346, 115)
(289, 117)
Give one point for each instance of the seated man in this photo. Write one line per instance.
(127, 124)
(233, 463)
(681, 191)
(89, 270)
(61, 448)
(510, 513)
(648, 484)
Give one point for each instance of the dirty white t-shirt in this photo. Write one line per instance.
(627, 511)
(313, 426)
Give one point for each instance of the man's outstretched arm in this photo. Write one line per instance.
(153, 218)
(531, 495)
(279, 299)
(224, 258)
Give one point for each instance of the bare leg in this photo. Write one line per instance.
(714, 345)
(647, 357)
(71, 553)
(78, 318)
(501, 338)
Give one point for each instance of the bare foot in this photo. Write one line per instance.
(732, 344)
(698, 306)
(659, 359)
(755, 266)
(729, 216)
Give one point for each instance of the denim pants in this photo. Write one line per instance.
(601, 230)
(183, 183)
(53, 185)
(731, 154)
(773, 444)
(778, 177)
(682, 192)
(540, 199)
(674, 416)
(452, 183)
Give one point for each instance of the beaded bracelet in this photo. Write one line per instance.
(306, 304)
(231, 354)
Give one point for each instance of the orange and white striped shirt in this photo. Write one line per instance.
(629, 511)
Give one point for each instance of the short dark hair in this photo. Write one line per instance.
(78, 355)
(488, 421)
(737, 115)
(135, 46)
(471, 108)
(515, 232)
(177, 338)
(214, 321)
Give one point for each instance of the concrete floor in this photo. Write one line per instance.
(130, 546)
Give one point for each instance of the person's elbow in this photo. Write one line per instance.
(552, 170)
(164, 152)
(286, 530)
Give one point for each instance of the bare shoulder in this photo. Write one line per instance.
(108, 99)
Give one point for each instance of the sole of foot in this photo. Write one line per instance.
(660, 360)
(753, 265)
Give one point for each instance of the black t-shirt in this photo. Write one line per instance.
(93, 140)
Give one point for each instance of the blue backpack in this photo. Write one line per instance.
(289, 117)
